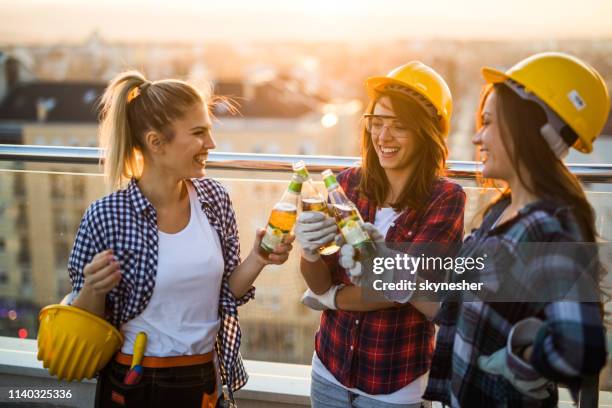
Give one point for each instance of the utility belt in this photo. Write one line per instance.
(178, 382)
(167, 362)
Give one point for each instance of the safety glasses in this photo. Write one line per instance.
(376, 123)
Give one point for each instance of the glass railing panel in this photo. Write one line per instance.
(41, 206)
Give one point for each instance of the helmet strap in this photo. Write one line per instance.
(555, 131)
(555, 141)
(416, 96)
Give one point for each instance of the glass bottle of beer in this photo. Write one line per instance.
(348, 218)
(312, 200)
(282, 218)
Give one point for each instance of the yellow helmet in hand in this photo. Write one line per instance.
(74, 344)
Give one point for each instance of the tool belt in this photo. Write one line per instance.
(165, 362)
(208, 400)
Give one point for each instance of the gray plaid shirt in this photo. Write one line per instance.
(570, 345)
(126, 222)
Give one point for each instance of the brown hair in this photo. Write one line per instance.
(519, 125)
(132, 106)
(430, 158)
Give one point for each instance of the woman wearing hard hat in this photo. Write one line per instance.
(162, 255)
(378, 353)
(491, 354)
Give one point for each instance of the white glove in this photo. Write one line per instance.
(513, 368)
(373, 232)
(497, 364)
(348, 262)
(324, 301)
(312, 231)
(347, 253)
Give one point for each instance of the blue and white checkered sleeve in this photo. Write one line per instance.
(232, 245)
(86, 245)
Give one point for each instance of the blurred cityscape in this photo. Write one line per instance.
(293, 98)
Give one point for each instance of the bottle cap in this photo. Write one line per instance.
(299, 168)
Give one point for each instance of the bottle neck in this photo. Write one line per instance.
(293, 190)
(334, 187)
(309, 189)
(295, 187)
(336, 195)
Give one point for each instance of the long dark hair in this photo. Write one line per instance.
(430, 159)
(520, 121)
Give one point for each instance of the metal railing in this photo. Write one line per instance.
(590, 173)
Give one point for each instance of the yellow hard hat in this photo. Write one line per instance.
(571, 88)
(417, 77)
(74, 344)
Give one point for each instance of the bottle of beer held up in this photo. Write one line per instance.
(282, 218)
(348, 218)
(312, 200)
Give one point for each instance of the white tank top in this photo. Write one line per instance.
(182, 316)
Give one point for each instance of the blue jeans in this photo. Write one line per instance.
(324, 394)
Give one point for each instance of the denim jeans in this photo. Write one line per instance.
(324, 394)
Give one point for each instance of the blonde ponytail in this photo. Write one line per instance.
(116, 137)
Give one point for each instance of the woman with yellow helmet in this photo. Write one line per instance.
(495, 353)
(161, 254)
(377, 353)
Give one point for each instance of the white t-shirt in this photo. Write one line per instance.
(182, 317)
(409, 394)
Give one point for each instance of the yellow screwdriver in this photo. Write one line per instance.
(139, 348)
(134, 374)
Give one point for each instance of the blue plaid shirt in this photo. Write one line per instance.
(570, 344)
(126, 222)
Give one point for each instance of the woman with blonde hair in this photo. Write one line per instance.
(161, 253)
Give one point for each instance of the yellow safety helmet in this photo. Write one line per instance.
(571, 88)
(74, 344)
(417, 77)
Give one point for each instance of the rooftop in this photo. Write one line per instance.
(76, 102)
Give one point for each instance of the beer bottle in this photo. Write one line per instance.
(282, 218)
(348, 218)
(312, 200)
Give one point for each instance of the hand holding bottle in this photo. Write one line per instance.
(313, 231)
(313, 201)
(348, 254)
(279, 254)
(348, 218)
(281, 221)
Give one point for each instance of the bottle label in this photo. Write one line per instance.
(272, 238)
(330, 182)
(295, 186)
(353, 234)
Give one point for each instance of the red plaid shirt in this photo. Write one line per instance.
(381, 351)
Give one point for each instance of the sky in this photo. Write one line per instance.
(23, 21)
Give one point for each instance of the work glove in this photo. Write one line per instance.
(313, 230)
(347, 253)
(517, 371)
(324, 301)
